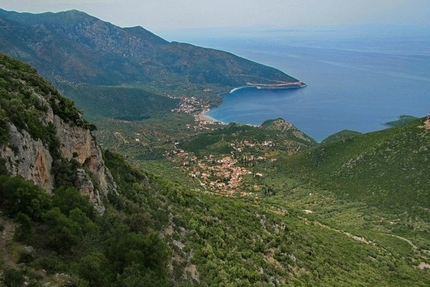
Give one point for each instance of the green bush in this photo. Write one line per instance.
(13, 277)
(95, 269)
(63, 233)
(24, 232)
(147, 253)
(65, 172)
(19, 195)
(69, 198)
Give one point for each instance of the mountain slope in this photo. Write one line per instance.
(43, 133)
(155, 232)
(74, 46)
(54, 190)
(387, 170)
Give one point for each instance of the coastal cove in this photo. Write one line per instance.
(352, 83)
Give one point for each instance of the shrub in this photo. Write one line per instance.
(13, 277)
(68, 198)
(19, 195)
(63, 233)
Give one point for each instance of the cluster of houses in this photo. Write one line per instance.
(191, 105)
(223, 175)
(219, 175)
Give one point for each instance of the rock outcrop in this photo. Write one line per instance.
(28, 158)
(50, 132)
(31, 159)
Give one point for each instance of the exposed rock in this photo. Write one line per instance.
(29, 158)
(77, 143)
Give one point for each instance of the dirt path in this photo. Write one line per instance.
(350, 235)
(405, 239)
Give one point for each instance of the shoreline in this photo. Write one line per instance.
(203, 116)
(278, 86)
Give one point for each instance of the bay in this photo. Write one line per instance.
(355, 82)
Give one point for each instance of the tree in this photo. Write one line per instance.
(68, 198)
(87, 226)
(95, 269)
(134, 277)
(19, 195)
(63, 233)
(24, 233)
(13, 277)
(147, 253)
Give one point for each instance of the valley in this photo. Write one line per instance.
(180, 199)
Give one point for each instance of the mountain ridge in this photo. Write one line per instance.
(89, 50)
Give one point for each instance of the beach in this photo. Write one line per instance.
(203, 116)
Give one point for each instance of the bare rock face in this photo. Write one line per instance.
(31, 158)
(77, 143)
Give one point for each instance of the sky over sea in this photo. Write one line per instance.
(160, 16)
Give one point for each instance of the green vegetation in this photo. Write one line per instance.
(220, 141)
(350, 212)
(121, 103)
(393, 163)
(99, 53)
(20, 196)
(374, 185)
(155, 135)
(340, 136)
(404, 119)
(243, 241)
(67, 228)
(22, 103)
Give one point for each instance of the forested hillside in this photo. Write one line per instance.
(307, 227)
(75, 47)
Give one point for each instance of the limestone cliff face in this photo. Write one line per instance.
(32, 159)
(29, 158)
(77, 142)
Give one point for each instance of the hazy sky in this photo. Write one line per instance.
(165, 15)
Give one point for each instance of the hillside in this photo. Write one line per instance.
(43, 133)
(375, 182)
(393, 163)
(75, 47)
(153, 231)
(127, 81)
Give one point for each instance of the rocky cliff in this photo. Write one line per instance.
(43, 132)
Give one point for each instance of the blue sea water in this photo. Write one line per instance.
(356, 81)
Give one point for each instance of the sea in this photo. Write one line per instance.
(357, 78)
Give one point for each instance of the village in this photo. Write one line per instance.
(197, 107)
(223, 174)
(190, 105)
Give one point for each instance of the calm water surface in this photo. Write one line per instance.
(353, 83)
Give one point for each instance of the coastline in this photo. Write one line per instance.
(277, 86)
(203, 116)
